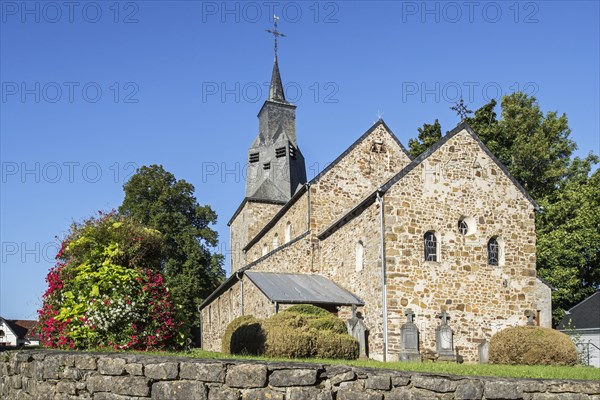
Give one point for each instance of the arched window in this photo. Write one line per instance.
(495, 248)
(275, 241)
(288, 231)
(360, 255)
(431, 246)
(265, 249)
(2, 334)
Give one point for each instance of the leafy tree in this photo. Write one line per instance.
(155, 198)
(429, 134)
(106, 291)
(568, 247)
(535, 148)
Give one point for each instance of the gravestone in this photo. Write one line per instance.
(409, 335)
(358, 330)
(530, 318)
(444, 340)
(483, 350)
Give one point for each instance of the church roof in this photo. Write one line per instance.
(585, 315)
(356, 143)
(367, 201)
(276, 87)
(288, 288)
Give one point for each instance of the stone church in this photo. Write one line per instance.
(383, 237)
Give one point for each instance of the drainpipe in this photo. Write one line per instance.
(276, 307)
(241, 281)
(201, 341)
(383, 276)
(307, 206)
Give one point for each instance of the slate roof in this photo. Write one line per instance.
(585, 315)
(288, 288)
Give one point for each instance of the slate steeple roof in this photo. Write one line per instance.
(276, 89)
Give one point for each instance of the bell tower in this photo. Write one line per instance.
(274, 168)
(275, 165)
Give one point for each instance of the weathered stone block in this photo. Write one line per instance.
(343, 377)
(349, 394)
(502, 390)
(302, 393)
(51, 368)
(469, 390)
(587, 387)
(378, 382)
(213, 372)
(134, 369)
(111, 366)
(125, 385)
(262, 394)
(293, 377)
(440, 385)
(220, 393)
(85, 362)
(66, 387)
(247, 376)
(162, 371)
(559, 396)
(179, 390)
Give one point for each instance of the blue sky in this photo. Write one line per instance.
(92, 90)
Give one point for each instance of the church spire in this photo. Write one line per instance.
(276, 88)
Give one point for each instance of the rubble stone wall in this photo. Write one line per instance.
(56, 375)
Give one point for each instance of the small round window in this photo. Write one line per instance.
(466, 226)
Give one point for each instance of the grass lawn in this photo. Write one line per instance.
(509, 371)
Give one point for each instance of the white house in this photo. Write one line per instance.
(582, 322)
(18, 333)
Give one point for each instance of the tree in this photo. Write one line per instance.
(156, 199)
(106, 291)
(568, 248)
(429, 134)
(535, 148)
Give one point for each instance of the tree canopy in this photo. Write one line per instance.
(156, 199)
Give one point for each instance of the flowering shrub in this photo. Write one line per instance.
(106, 291)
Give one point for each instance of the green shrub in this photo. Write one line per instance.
(532, 345)
(300, 331)
(335, 345)
(308, 309)
(243, 335)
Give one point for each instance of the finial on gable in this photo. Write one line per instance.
(461, 109)
(276, 88)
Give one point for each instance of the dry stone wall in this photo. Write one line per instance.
(55, 375)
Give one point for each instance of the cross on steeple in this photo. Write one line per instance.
(275, 33)
(461, 109)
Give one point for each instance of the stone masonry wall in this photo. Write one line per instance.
(458, 180)
(338, 263)
(54, 375)
(358, 174)
(296, 216)
(253, 217)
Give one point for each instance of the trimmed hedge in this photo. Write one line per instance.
(243, 335)
(300, 331)
(532, 345)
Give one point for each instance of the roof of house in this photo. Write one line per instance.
(289, 288)
(23, 329)
(585, 315)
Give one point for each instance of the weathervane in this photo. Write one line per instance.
(461, 109)
(275, 32)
